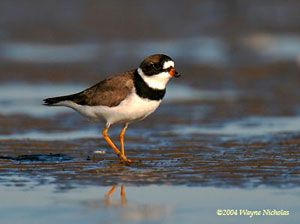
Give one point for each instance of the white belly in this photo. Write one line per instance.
(131, 109)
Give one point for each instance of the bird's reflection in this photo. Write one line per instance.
(107, 201)
(115, 202)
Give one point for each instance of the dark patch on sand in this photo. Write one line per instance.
(38, 158)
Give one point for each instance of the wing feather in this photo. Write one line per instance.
(109, 92)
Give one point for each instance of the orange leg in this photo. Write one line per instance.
(112, 145)
(122, 134)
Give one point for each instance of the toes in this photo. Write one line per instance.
(125, 161)
(129, 160)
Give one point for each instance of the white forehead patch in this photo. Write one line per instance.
(168, 64)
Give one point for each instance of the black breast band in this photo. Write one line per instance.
(145, 91)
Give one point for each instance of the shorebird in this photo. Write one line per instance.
(123, 98)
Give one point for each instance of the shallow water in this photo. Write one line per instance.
(34, 203)
(248, 127)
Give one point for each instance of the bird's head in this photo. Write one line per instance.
(157, 69)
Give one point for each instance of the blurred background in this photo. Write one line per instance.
(241, 54)
(214, 43)
(239, 59)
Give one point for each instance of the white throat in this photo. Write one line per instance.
(158, 81)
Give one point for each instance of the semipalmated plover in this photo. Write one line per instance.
(123, 98)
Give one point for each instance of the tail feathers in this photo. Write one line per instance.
(54, 100)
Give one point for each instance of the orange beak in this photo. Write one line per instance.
(173, 73)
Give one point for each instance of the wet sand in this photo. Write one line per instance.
(193, 160)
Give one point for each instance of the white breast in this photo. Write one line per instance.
(131, 109)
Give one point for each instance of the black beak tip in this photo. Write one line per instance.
(177, 75)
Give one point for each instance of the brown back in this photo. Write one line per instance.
(109, 92)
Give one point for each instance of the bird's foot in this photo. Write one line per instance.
(124, 160)
(127, 162)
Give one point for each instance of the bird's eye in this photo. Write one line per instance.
(155, 66)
